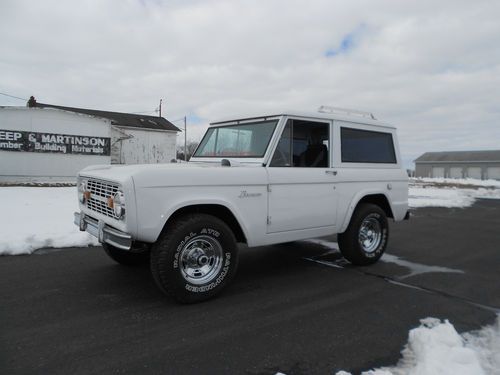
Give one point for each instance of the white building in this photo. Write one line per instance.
(52, 143)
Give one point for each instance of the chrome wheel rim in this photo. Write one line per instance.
(370, 234)
(201, 260)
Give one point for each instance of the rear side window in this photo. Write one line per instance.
(363, 146)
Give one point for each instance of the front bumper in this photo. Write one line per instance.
(103, 232)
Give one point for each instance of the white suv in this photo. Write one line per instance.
(264, 180)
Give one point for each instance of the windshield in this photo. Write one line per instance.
(239, 141)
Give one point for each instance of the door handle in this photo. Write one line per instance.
(334, 173)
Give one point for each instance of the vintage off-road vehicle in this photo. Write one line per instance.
(264, 180)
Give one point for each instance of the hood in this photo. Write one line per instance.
(123, 173)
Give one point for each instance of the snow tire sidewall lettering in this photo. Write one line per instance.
(167, 252)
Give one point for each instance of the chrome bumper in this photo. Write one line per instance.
(103, 232)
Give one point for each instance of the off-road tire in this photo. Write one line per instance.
(170, 260)
(126, 257)
(350, 243)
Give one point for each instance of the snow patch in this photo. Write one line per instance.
(435, 347)
(416, 268)
(450, 193)
(440, 197)
(39, 217)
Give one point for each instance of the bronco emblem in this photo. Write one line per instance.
(244, 194)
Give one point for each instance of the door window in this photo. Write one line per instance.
(304, 144)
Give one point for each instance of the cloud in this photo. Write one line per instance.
(434, 72)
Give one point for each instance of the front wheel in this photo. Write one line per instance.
(366, 237)
(194, 258)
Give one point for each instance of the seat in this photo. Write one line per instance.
(315, 156)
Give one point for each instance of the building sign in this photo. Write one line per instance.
(13, 140)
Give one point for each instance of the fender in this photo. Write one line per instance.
(194, 202)
(354, 202)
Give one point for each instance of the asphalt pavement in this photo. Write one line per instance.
(296, 308)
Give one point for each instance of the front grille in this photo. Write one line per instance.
(100, 191)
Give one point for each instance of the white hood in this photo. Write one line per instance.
(172, 174)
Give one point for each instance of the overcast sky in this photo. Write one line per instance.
(432, 68)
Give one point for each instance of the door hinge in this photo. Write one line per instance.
(269, 188)
(269, 220)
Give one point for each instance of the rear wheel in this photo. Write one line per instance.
(133, 257)
(366, 237)
(194, 258)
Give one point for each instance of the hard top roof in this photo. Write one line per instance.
(307, 114)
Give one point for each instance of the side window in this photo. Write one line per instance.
(363, 146)
(303, 144)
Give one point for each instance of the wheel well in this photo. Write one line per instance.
(379, 200)
(216, 210)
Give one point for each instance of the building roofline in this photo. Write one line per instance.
(476, 156)
(119, 118)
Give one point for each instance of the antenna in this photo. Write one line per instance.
(345, 111)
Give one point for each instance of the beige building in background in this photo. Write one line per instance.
(481, 165)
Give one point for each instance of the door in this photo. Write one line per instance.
(456, 172)
(437, 172)
(302, 184)
(474, 172)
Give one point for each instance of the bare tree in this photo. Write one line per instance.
(191, 148)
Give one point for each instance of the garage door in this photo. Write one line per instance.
(437, 172)
(474, 172)
(456, 172)
(494, 173)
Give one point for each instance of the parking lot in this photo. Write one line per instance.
(296, 308)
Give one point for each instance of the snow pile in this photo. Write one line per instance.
(450, 193)
(436, 348)
(38, 217)
(439, 197)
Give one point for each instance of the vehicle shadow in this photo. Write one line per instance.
(258, 268)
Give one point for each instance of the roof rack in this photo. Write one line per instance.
(345, 111)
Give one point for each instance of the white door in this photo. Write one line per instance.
(302, 186)
(456, 172)
(437, 172)
(474, 172)
(493, 173)
(301, 198)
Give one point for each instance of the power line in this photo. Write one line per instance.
(12, 96)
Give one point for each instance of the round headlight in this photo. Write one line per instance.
(119, 204)
(82, 186)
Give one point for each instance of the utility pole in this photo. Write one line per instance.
(161, 100)
(185, 140)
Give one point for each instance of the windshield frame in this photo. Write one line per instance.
(236, 123)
